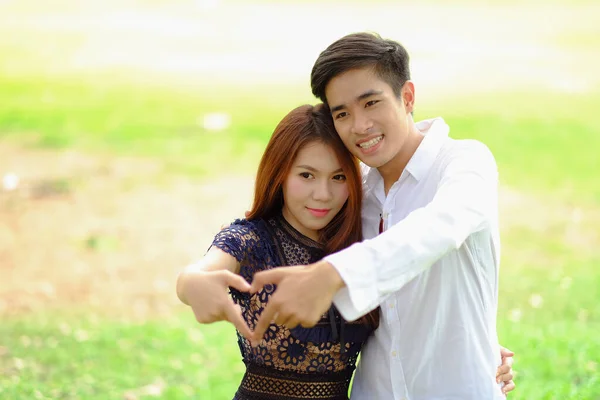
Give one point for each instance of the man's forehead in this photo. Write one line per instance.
(354, 85)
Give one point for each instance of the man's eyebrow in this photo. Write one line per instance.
(360, 97)
(369, 93)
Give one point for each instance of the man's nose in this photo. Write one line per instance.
(361, 123)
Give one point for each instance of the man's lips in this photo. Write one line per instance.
(369, 138)
(371, 144)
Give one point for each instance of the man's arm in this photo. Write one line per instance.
(465, 202)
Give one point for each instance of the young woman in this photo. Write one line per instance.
(307, 204)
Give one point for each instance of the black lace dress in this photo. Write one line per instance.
(299, 363)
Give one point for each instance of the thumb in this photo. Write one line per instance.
(272, 276)
(237, 282)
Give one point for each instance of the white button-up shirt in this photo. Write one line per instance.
(434, 271)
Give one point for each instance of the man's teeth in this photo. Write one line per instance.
(371, 143)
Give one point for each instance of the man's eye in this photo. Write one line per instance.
(340, 115)
(371, 103)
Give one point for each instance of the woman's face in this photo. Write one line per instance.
(315, 189)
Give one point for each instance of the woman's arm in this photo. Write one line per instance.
(214, 260)
(204, 286)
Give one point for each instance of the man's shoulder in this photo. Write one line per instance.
(468, 149)
(470, 145)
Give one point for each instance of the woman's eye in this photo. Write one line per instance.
(305, 175)
(340, 177)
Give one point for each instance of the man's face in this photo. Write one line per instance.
(369, 118)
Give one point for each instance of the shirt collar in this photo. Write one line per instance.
(435, 132)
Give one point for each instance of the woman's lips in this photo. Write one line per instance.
(318, 212)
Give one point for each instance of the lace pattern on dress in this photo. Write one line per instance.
(302, 363)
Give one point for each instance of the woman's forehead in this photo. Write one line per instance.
(319, 156)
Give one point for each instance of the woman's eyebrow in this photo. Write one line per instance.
(308, 167)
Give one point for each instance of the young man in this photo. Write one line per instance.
(431, 254)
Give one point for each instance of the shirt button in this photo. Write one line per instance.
(391, 305)
(394, 354)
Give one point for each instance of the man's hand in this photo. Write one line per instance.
(206, 292)
(304, 293)
(505, 373)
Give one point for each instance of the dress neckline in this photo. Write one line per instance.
(296, 235)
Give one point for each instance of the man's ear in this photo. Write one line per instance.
(408, 96)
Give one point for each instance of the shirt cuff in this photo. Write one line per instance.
(360, 295)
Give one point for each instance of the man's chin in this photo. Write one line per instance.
(371, 162)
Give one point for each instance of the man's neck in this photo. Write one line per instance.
(392, 171)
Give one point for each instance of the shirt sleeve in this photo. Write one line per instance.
(465, 202)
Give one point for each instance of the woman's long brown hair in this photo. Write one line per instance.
(304, 125)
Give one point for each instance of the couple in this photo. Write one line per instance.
(417, 297)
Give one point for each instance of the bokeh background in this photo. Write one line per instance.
(130, 132)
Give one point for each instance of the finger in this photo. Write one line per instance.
(237, 282)
(247, 214)
(290, 322)
(508, 387)
(504, 352)
(278, 319)
(272, 276)
(234, 315)
(263, 322)
(503, 369)
(506, 366)
(505, 377)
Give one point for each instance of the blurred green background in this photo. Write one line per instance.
(130, 132)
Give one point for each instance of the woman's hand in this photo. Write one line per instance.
(505, 373)
(207, 293)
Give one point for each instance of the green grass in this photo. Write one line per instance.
(549, 315)
(70, 356)
(141, 120)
